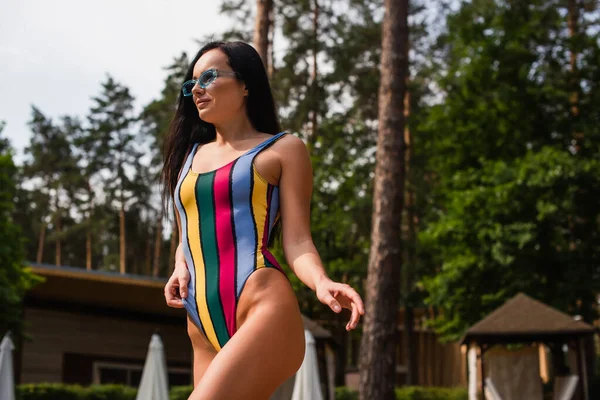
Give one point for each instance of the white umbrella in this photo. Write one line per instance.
(308, 385)
(7, 382)
(285, 390)
(154, 384)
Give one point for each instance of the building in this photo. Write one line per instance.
(95, 327)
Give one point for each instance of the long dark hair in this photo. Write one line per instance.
(187, 128)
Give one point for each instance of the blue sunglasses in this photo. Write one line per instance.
(205, 79)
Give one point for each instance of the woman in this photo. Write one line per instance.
(235, 178)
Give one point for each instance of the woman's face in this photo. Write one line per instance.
(222, 98)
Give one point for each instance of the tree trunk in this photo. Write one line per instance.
(88, 239)
(313, 89)
(378, 348)
(574, 8)
(41, 242)
(412, 375)
(157, 243)
(58, 249)
(409, 254)
(148, 257)
(88, 250)
(271, 69)
(261, 29)
(122, 237)
(573, 15)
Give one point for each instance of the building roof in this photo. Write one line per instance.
(106, 291)
(523, 319)
(101, 290)
(315, 329)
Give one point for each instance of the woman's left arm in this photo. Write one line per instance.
(295, 189)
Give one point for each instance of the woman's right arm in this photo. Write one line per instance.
(180, 277)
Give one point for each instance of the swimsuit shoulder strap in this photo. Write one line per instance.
(190, 157)
(188, 161)
(266, 143)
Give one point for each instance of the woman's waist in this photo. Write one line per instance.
(241, 269)
(226, 251)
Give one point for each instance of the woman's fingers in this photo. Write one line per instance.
(338, 295)
(331, 301)
(360, 307)
(179, 280)
(173, 300)
(183, 284)
(354, 297)
(353, 318)
(354, 303)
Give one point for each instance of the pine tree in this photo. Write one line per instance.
(155, 120)
(262, 26)
(15, 278)
(378, 363)
(111, 123)
(52, 167)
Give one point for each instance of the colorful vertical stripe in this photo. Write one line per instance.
(189, 305)
(188, 192)
(226, 245)
(227, 216)
(259, 213)
(273, 208)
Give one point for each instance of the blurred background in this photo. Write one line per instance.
(495, 175)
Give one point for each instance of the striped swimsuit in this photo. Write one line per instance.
(226, 220)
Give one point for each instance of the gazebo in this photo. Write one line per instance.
(523, 320)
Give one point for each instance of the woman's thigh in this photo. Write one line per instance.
(203, 351)
(267, 349)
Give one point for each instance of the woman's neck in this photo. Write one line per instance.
(234, 130)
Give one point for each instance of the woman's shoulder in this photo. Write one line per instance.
(292, 151)
(290, 143)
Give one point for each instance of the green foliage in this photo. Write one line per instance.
(180, 392)
(49, 391)
(61, 391)
(157, 115)
(513, 202)
(111, 121)
(110, 392)
(509, 227)
(15, 279)
(430, 393)
(240, 11)
(53, 177)
(411, 393)
(124, 179)
(344, 393)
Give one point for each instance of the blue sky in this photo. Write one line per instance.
(54, 54)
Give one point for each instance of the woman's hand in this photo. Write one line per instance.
(176, 287)
(335, 294)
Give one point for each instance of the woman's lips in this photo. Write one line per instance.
(201, 103)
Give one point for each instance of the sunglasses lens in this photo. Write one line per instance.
(207, 77)
(187, 88)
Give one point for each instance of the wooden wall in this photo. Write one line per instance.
(438, 364)
(55, 333)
